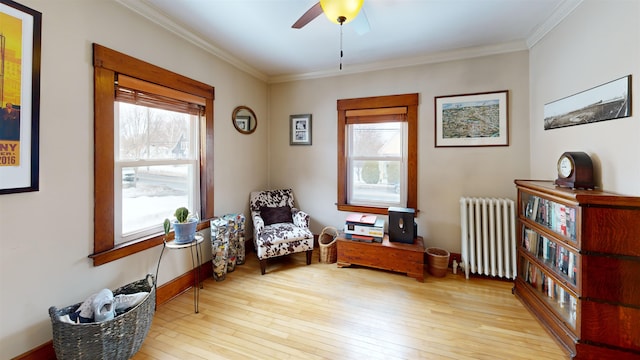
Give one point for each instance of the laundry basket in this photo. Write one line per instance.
(118, 338)
(328, 246)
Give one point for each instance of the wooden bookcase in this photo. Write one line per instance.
(579, 267)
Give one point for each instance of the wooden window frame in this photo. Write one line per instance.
(107, 65)
(376, 106)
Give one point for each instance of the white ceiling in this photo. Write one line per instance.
(256, 35)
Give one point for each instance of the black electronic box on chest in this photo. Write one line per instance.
(402, 227)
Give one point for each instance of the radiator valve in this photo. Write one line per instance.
(455, 266)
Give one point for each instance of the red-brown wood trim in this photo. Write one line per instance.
(164, 294)
(107, 63)
(206, 166)
(362, 209)
(582, 197)
(412, 157)
(103, 140)
(342, 160)
(121, 63)
(410, 101)
(42, 352)
(133, 247)
(379, 102)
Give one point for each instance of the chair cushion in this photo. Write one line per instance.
(282, 232)
(276, 215)
(282, 239)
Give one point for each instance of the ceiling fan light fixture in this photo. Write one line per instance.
(335, 10)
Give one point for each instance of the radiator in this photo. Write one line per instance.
(488, 237)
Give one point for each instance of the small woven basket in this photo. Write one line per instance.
(118, 338)
(328, 246)
(438, 260)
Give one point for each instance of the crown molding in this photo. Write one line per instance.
(458, 54)
(143, 8)
(559, 14)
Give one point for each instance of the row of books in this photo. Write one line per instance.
(554, 255)
(565, 302)
(557, 217)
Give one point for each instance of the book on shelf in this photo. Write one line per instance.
(533, 276)
(552, 252)
(557, 217)
(561, 296)
(532, 243)
(563, 260)
(536, 205)
(571, 222)
(526, 243)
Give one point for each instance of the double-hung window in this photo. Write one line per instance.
(377, 153)
(377, 163)
(153, 138)
(156, 156)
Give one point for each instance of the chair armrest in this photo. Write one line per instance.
(300, 218)
(258, 222)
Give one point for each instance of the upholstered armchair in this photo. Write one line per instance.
(278, 227)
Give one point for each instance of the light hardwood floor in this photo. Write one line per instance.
(324, 312)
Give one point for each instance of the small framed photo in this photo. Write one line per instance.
(300, 129)
(243, 122)
(479, 119)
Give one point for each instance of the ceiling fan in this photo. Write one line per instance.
(339, 12)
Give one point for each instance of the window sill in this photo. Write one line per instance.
(133, 247)
(363, 209)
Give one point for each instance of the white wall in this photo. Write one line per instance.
(46, 236)
(599, 42)
(444, 174)
(43, 256)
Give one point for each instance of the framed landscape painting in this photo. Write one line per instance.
(20, 38)
(479, 119)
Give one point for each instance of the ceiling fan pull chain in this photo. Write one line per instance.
(341, 19)
(341, 54)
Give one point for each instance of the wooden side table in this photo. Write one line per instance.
(387, 255)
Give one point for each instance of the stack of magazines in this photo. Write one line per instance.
(365, 228)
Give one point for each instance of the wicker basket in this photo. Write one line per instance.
(118, 338)
(328, 247)
(438, 261)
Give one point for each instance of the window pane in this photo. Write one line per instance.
(376, 182)
(376, 164)
(154, 134)
(376, 139)
(152, 193)
(156, 157)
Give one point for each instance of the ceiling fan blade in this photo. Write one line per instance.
(361, 23)
(306, 18)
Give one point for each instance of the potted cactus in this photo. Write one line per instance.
(184, 225)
